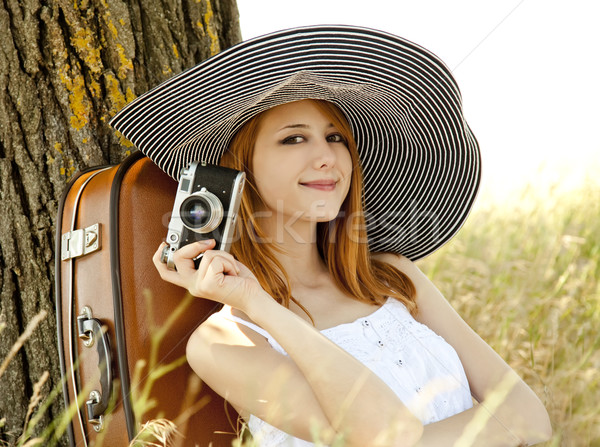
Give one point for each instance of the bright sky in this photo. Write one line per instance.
(529, 72)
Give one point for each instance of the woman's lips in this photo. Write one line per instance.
(321, 185)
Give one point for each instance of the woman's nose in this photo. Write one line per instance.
(324, 155)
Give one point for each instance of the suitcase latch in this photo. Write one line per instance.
(80, 242)
(93, 332)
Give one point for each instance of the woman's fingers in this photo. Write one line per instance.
(183, 260)
(158, 254)
(164, 272)
(184, 257)
(226, 263)
(209, 280)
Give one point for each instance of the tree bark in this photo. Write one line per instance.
(66, 67)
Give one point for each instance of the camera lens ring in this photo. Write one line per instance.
(201, 212)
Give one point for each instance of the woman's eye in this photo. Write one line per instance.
(336, 138)
(294, 139)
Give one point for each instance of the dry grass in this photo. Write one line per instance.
(524, 274)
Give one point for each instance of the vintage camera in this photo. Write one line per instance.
(206, 205)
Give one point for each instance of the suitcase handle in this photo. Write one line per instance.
(92, 331)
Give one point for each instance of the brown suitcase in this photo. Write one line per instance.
(112, 307)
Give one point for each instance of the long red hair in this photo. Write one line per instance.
(342, 242)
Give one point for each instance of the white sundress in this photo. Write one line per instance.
(417, 364)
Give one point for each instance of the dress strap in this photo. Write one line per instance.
(246, 323)
(256, 329)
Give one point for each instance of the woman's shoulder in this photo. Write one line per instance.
(425, 289)
(402, 263)
(391, 258)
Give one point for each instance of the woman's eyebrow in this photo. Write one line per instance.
(295, 126)
(300, 126)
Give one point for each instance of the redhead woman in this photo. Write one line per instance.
(358, 162)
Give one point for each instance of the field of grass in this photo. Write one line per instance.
(524, 274)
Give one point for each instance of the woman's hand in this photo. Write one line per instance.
(219, 277)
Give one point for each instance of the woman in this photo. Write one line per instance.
(329, 332)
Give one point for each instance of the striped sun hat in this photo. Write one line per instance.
(420, 161)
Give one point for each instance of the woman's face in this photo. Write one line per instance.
(302, 167)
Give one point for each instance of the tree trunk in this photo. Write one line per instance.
(66, 67)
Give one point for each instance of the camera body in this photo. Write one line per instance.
(206, 205)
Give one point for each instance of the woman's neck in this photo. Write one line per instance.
(299, 255)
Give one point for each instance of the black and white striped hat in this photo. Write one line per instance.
(420, 161)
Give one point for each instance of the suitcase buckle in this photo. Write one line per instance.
(92, 331)
(80, 242)
(97, 420)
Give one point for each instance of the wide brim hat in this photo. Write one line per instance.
(420, 161)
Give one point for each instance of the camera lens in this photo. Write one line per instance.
(201, 212)
(195, 212)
